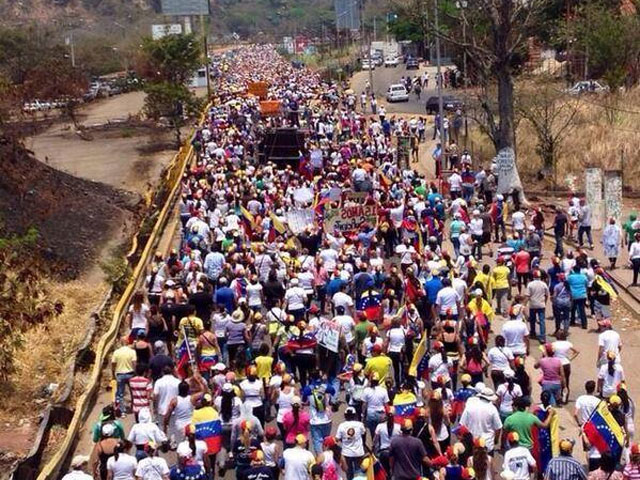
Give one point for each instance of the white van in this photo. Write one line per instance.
(397, 93)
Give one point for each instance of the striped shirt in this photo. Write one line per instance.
(565, 468)
(632, 471)
(140, 392)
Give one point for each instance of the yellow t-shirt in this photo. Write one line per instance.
(263, 365)
(124, 358)
(380, 365)
(193, 327)
(501, 276)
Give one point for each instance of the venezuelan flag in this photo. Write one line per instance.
(603, 431)
(374, 469)
(545, 440)
(277, 224)
(420, 359)
(404, 404)
(208, 428)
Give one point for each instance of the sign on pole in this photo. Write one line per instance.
(347, 219)
(328, 335)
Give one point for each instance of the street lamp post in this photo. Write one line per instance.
(439, 85)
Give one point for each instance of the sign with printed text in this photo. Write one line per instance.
(299, 219)
(355, 197)
(347, 219)
(162, 30)
(329, 335)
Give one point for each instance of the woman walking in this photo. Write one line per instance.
(611, 241)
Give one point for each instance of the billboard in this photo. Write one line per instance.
(164, 29)
(347, 14)
(185, 7)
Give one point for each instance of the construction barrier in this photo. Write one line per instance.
(172, 178)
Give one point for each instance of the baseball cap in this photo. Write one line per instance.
(79, 460)
(407, 425)
(301, 439)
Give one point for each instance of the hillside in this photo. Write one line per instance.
(270, 19)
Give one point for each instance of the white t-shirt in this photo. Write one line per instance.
(396, 337)
(382, 432)
(519, 460)
(368, 345)
(447, 298)
(139, 317)
(482, 419)
(609, 340)
(252, 392)
(375, 398)
(610, 382)
(437, 367)
(506, 397)
(475, 226)
(585, 405)
(152, 468)
(561, 349)
(165, 390)
(455, 182)
(346, 326)
(330, 259)
(341, 299)
(499, 358)
(350, 435)
(297, 463)
(253, 295)
(295, 298)
(514, 332)
(124, 468)
(518, 220)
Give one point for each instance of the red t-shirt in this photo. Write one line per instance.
(522, 259)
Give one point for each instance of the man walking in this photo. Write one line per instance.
(537, 295)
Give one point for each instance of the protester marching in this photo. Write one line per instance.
(341, 316)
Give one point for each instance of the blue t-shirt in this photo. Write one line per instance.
(578, 285)
(334, 286)
(225, 296)
(432, 287)
(455, 228)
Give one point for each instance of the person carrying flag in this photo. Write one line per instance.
(208, 427)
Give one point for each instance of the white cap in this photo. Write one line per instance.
(79, 460)
(184, 450)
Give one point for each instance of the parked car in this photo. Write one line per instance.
(377, 60)
(449, 103)
(37, 106)
(368, 64)
(587, 86)
(397, 93)
(413, 64)
(391, 62)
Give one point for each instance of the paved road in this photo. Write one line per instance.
(383, 77)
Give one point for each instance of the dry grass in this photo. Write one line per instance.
(49, 349)
(601, 138)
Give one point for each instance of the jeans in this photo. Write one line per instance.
(579, 304)
(581, 231)
(559, 250)
(467, 193)
(635, 264)
(555, 389)
(122, 380)
(318, 432)
(537, 314)
(353, 465)
(501, 294)
(456, 245)
(561, 315)
(477, 246)
(372, 421)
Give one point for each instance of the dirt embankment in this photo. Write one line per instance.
(74, 217)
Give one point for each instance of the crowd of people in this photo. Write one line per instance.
(342, 318)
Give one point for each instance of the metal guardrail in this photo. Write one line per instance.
(172, 178)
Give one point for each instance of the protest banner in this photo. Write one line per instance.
(270, 107)
(259, 89)
(299, 219)
(350, 196)
(345, 219)
(328, 335)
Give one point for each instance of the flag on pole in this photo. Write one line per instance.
(373, 468)
(604, 432)
(420, 359)
(277, 223)
(404, 404)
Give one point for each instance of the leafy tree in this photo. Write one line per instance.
(167, 65)
(551, 115)
(611, 42)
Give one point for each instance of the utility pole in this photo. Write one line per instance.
(72, 53)
(204, 26)
(439, 85)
